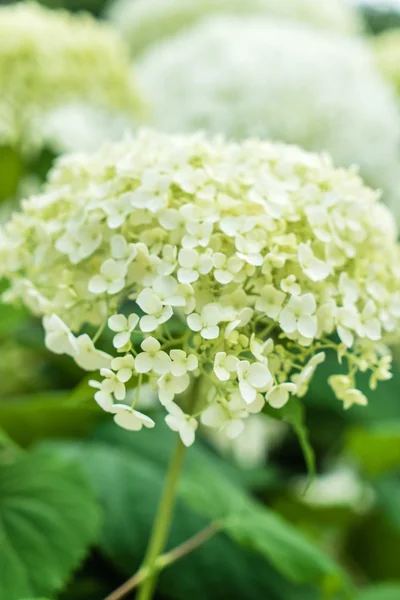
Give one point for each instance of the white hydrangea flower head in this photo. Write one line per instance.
(255, 337)
(278, 80)
(65, 80)
(146, 22)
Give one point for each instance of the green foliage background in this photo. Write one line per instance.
(78, 495)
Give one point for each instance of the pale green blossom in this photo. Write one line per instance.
(124, 366)
(184, 424)
(169, 385)
(59, 339)
(123, 327)
(229, 416)
(278, 396)
(224, 365)
(343, 386)
(88, 357)
(65, 80)
(302, 379)
(256, 338)
(128, 418)
(182, 363)
(252, 378)
(152, 358)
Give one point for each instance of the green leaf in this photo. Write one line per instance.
(94, 6)
(294, 414)
(385, 591)
(387, 492)
(259, 528)
(11, 319)
(11, 171)
(129, 486)
(131, 476)
(373, 545)
(383, 403)
(31, 417)
(377, 448)
(48, 519)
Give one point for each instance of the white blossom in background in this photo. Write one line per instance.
(144, 23)
(65, 79)
(252, 447)
(242, 342)
(341, 486)
(81, 126)
(279, 80)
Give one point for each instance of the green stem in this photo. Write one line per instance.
(162, 523)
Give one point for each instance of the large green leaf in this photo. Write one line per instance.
(380, 592)
(259, 528)
(129, 486)
(127, 470)
(48, 519)
(377, 448)
(31, 417)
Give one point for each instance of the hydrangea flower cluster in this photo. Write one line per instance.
(53, 60)
(146, 22)
(279, 80)
(265, 254)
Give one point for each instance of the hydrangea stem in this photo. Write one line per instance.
(162, 522)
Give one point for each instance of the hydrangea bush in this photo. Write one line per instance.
(60, 72)
(146, 22)
(266, 254)
(279, 80)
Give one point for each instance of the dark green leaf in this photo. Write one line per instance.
(48, 519)
(129, 486)
(385, 591)
(383, 403)
(377, 448)
(207, 492)
(11, 319)
(259, 528)
(293, 413)
(51, 414)
(11, 171)
(387, 492)
(373, 546)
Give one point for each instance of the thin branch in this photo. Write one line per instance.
(129, 585)
(165, 560)
(187, 547)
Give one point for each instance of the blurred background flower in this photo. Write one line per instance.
(274, 79)
(65, 85)
(144, 23)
